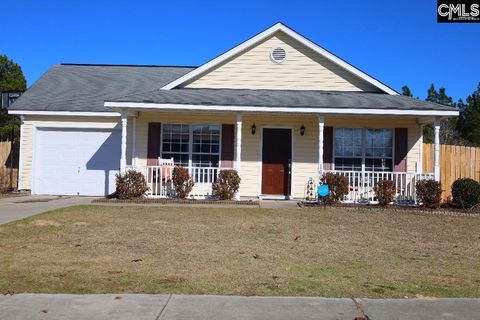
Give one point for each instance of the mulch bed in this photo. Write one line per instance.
(13, 194)
(180, 201)
(448, 211)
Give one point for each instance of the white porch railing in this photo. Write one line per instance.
(160, 184)
(361, 185)
(204, 178)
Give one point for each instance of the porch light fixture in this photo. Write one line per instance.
(302, 130)
(254, 128)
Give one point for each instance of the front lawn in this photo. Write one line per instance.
(242, 251)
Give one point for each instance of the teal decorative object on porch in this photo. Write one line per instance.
(323, 190)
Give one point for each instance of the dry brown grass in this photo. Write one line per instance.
(246, 251)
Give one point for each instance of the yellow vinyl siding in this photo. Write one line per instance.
(25, 172)
(305, 147)
(305, 158)
(305, 154)
(303, 70)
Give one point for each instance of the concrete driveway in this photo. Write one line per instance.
(173, 307)
(17, 208)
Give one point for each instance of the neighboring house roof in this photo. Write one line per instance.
(77, 87)
(280, 98)
(278, 27)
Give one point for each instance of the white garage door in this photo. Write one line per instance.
(76, 161)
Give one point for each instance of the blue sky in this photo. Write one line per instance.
(398, 42)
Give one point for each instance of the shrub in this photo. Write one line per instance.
(227, 184)
(131, 185)
(338, 186)
(182, 182)
(465, 193)
(384, 191)
(429, 193)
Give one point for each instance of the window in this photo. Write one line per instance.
(195, 144)
(374, 152)
(379, 150)
(175, 143)
(348, 149)
(206, 145)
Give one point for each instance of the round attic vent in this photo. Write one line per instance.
(278, 54)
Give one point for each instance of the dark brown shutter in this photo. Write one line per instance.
(226, 158)
(401, 149)
(153, 149)
(328, 148)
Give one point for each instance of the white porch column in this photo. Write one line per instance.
(436, 150)
(238, 156)
(420, 151)
(123, 155)
(20, 156)
(321, 127)
(134, 141)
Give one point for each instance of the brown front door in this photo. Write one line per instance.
(276, 161)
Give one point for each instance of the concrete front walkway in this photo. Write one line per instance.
(17, 208)
(169, 307)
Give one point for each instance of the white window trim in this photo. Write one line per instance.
(364, 146)
(219, 153)
(190, 142)
(179, 152)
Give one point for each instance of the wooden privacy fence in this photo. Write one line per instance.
(455, 162)
(8, 175)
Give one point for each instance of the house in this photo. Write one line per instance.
(278, 108)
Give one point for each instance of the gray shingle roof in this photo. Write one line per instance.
(85, 88)
(68, 87)
(282, 98)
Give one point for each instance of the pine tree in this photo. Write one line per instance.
(11, 78)
(469, 119)
(406, 91)
(11, 75)
(449, 133)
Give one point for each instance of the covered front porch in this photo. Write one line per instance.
(276, 155)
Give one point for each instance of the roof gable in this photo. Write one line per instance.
(303, 69)
(308, 66)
